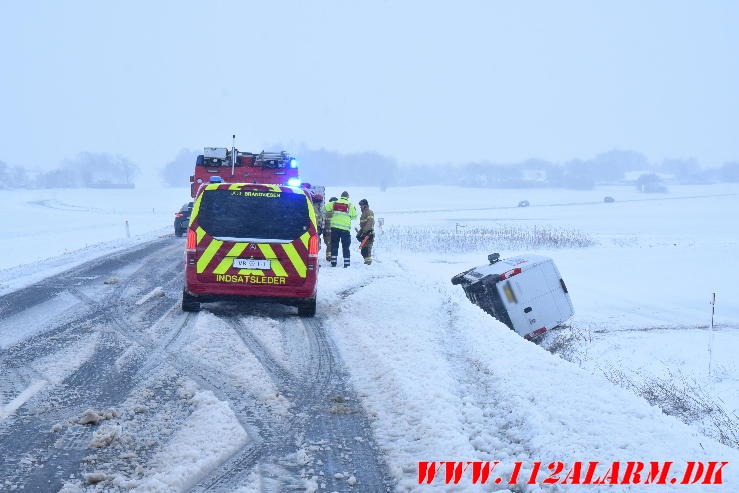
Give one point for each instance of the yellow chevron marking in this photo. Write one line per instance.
(269, 253)
(304, 238)
(295, 259)
(274, 188)
(229, 258)
(195, 209)
(234, 187)
(208, 254)
(311, 211)
(199, 234)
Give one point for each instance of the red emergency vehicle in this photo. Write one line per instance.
(252, 241)
(234, 166)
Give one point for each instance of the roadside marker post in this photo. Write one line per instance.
(710, 337)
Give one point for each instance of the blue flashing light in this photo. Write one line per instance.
(216, 179)
(293, 182)
(293, 163)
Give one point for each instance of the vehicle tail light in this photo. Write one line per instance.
(190, 247)
(510, 273)
(535, 334)
(313, 246)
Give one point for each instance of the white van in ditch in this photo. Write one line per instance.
(526, 293)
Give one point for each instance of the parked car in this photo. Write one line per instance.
(182, 219)
(609, 199)
(523, 203)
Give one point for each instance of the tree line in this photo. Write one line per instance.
(321, 166)
(87, 169)
(332, 168)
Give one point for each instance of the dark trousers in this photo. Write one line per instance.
(343, 236)
(367, 249)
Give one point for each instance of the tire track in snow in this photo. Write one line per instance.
(342, 421)
(98, 382)
(32, 433)
(37, 293)
(276, 439)
(326, 429)
(282, 378)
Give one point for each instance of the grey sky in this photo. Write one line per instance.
(422, 81)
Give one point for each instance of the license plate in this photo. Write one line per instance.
(250, 263)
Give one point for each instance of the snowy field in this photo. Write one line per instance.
(643, 317)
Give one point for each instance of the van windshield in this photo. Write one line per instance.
(246, 214)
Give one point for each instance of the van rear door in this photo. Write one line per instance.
(558, 292)
(529, 297)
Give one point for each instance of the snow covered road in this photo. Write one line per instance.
(122, 389)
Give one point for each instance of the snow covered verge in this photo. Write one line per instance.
(444, 381)
(49, 231)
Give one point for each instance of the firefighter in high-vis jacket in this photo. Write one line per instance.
(366, 232)
(343, 213)
(327, 229)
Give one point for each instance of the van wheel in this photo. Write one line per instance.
(307, 308)
(189, 303)
(459, 278)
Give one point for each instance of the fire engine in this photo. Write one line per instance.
(234, 166)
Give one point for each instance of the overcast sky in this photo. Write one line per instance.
(422, 81)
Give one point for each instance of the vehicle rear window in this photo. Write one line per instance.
(262, 215)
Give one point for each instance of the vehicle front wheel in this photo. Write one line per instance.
(459, 278)
(189, 303)
(307, 308)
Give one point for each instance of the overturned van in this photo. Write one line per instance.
(526, 293)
